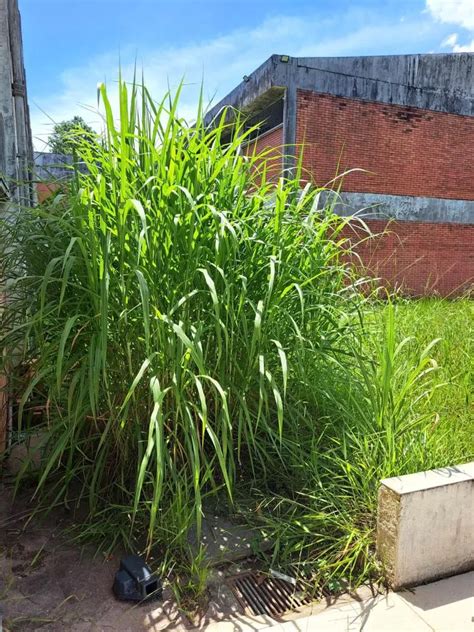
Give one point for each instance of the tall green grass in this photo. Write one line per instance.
(163, 307)
(196, 337)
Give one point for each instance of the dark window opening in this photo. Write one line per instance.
(268, 118)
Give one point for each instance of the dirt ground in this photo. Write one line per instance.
(47, 583)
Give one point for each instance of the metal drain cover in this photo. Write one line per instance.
(263, 594)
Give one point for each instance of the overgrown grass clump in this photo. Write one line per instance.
(196, 337)
(400, 403)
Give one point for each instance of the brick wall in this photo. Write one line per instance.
(45, 189)
(407, 150)
(420, 257)
(272, 138)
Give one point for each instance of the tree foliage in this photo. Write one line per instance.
(68, 134)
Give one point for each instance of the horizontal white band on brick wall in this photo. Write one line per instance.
(402, 207)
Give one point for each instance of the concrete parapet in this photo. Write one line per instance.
(425, 526)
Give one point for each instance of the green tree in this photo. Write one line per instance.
(67, 133)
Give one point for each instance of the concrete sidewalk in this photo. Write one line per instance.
(443, 606)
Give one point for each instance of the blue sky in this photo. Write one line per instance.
(70, 45)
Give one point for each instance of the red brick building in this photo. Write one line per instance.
(406, 124)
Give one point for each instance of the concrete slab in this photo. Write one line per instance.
(390, 613)
(446, 605)
(382, 614)
(226, 541)
(430, 479)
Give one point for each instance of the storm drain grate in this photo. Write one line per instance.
(262, 594)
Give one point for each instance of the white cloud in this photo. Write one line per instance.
(464, 48)
(452, 42)
(220, 62)
(459, 12)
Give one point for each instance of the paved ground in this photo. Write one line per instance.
(443, 606)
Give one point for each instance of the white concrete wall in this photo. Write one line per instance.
(425, 526)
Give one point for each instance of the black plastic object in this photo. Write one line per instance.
(134, 580)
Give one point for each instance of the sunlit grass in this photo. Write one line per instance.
(452, 321)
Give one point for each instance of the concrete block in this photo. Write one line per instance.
(425, 525)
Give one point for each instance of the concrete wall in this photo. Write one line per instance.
(50, 170)
(15, 135)
(7, 121)
(49, 166)
(425, 525)
(443, 82)
(402, 207)
(16, 151)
